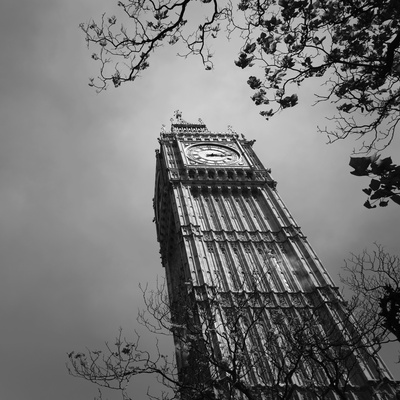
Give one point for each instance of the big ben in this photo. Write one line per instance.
(255, 314)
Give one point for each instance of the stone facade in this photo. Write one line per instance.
(241, 274)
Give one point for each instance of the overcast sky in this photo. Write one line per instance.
(77, 179)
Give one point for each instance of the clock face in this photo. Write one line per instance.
(214, 154)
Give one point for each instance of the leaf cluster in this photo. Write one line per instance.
(385, 182)
(351, 45)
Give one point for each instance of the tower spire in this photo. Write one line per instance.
(178, 124)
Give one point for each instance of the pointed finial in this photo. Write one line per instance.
(178, 115)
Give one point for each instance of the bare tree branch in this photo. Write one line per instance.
(374, 278)
(234, 345)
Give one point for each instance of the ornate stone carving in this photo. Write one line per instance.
(241, 236)
(207, 236)
(253, 236)
(230, 236)
(218, 236)
(297, 299)
(260, 249)
(283, 300)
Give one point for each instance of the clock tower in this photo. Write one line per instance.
(254, 313)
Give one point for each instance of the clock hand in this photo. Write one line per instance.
(215, 155)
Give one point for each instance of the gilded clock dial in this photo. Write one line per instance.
(213, 154)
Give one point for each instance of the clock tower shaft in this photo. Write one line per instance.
(242, 278)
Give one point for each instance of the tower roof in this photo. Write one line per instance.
(178, 124)
(195, 131)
